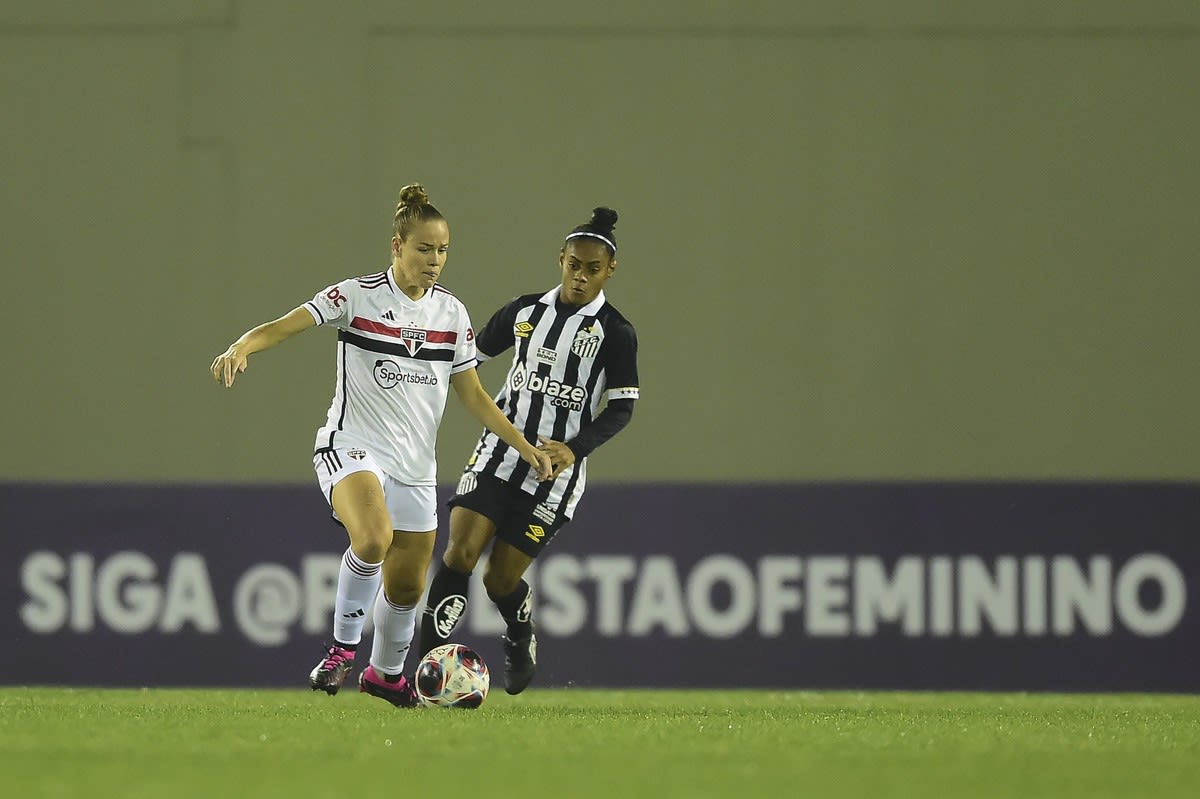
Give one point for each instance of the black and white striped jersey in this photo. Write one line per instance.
(395, 359)
(567, 362)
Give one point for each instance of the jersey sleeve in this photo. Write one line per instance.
(497, 334)
(465, 352)
(331, 305)
(621, 372)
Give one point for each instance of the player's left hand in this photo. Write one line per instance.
(560, 454)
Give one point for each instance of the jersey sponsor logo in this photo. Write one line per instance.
(332, 300)
(413, 338)
(559, 394)
(546, 355)
(389, 375)
(467, 483)
(522, 329)
(587, 342)
(535, 533)
(447, 613)
(389, 315)
(544, 512)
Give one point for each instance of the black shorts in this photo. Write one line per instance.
(520, 520)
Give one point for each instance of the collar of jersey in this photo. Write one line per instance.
(550, 296)
(395, 287)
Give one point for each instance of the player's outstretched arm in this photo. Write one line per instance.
(226, 366)
(477, 402)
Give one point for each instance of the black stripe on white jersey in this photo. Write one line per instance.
(388, 348)
(373, 281)
(537, 399)
(563, 416)
(312, 306)
(510, 401)
(345, 400)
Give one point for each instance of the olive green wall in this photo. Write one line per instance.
(872, 240)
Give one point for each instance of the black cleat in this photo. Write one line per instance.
(331, 672)
(520, 662)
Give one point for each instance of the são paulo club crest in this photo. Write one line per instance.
(412, 338)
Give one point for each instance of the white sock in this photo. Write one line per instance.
(358, 582)
(394, 628)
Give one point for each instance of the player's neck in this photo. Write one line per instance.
(412, 291)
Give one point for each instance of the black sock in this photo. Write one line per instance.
(444, 608)
(517, 610)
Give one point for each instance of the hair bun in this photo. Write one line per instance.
(604, 218)
(413, 194)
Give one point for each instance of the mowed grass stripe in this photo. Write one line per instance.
(591, 743)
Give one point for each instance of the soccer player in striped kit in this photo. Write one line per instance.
(571, 384)
(403, 340)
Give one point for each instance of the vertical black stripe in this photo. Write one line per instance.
(563, 417)
(537, 399)
(345, 386)
(513, 398)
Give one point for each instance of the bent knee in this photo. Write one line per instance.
(370, 543)
(461, 556)
(498, 584)
(404, 593)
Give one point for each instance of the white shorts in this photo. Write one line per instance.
(413, 508)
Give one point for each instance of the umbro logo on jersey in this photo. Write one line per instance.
(522, 329)
(389, 315)
(535, 533)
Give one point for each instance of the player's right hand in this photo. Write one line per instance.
(226, 366)
(541, 464)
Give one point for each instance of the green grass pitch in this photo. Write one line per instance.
(569, 743)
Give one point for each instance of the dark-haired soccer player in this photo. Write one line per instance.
(572, 384)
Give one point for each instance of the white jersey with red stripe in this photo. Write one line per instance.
(395, 358)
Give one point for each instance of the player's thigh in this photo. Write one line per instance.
(359, 503)
(470, 533)
(505, 568)
(406, 565)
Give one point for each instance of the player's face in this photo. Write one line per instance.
(418, 260)
(586, 266)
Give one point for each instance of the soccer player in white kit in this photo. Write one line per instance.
(403, 340)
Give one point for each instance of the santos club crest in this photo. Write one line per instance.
(587, 342)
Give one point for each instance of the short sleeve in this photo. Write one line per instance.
(497, 334)
(330, 304)
(465, 354)
(621, 372)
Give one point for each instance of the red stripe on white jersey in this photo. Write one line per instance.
(431, 336)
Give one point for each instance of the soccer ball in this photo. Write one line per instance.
(452, 675)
